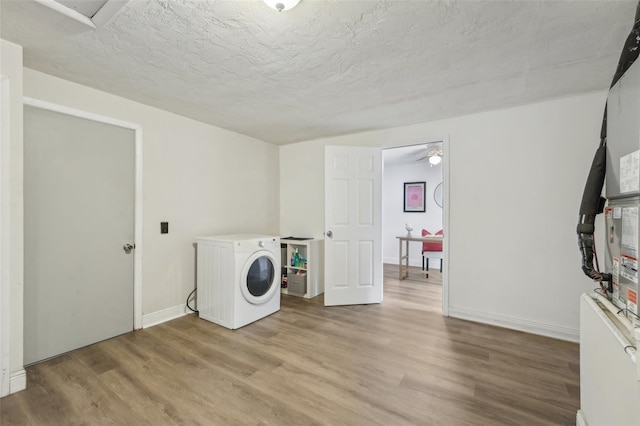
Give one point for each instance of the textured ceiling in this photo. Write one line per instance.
(329, 67)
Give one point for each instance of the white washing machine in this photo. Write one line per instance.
(238, 278)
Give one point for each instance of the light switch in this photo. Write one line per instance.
(164, 227)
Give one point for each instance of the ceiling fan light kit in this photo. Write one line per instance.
(435, 160)
(433, 154)
(281, 5)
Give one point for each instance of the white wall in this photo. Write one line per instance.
(302, 190)
(515, 182)
(393, 216)
(11, 67)
(203, 180)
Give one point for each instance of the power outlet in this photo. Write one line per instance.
(164, 227)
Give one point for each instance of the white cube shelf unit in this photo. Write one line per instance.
(305, 279)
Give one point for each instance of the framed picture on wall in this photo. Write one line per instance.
(414, 197)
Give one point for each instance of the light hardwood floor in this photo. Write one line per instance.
(400, 362)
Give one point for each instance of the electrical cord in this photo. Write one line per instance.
(601, 292)
(625, 311)
(635, 315)
(194, 299)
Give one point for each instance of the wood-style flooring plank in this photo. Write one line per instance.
(396, 363)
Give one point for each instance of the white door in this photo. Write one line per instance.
(353, 225)
(79, 184)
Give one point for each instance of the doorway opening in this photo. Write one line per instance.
(413, 183)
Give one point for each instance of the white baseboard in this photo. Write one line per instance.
(534, 327)
(17, 381)
(580, 420)
(155, 318)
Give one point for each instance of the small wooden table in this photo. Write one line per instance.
(403, 270)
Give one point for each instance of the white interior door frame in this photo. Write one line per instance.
(137, 258)
(445, 214)
(445, 225)
(5, 139)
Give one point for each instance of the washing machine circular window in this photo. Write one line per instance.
(258, 280)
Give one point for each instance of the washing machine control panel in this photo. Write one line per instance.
(259, 243)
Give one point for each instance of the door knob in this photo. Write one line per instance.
(329, 234)
(128, 247)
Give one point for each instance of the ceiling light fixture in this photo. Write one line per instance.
(435, 160)
(281, 5)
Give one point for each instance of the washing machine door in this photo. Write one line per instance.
(259, 280)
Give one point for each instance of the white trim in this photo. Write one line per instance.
(580, 419)
(68, 12)
(5, 208)
(446, 309)
(79, 113)
(158, 317)
(137, 258)
(534, 327)
(18, 381)
(137, 253)
(107, 12)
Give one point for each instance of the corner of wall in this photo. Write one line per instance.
(11, 66)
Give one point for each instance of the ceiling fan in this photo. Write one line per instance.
(433, 154)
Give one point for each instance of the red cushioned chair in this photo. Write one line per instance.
(431, 250)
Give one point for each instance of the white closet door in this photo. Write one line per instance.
(79, 178)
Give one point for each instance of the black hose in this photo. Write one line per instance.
(592, 205)
(193, 293)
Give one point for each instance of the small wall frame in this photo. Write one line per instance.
(414, 197)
